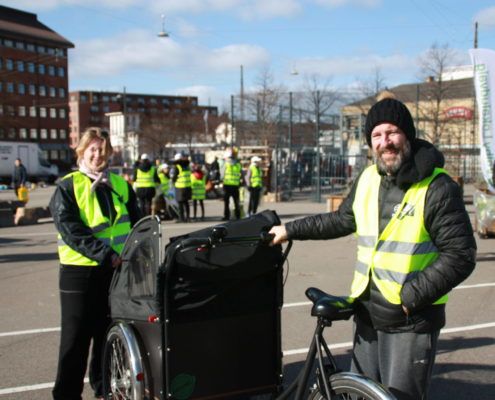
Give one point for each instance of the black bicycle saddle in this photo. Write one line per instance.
(332, 308)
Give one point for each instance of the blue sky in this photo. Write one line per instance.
(340, 41)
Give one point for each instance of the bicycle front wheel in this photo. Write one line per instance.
(348, 385)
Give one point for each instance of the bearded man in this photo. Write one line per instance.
(415, 244)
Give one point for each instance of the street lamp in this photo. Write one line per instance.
(163, 33)
(125, 150)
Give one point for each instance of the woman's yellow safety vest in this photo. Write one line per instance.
(255, 176)
(198, 188)
(232, 175)
(404, 247)
(113, 235)
(164, 182)
(184, 178)
(145, 179)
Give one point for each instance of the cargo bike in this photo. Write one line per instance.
(201, 319)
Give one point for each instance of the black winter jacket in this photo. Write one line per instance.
(74, 232)
(448, 224)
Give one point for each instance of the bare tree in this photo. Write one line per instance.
(264, 103)
(436, 91)
(372, 85)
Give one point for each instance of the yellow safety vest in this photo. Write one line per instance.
(255, 176)
(198, 188)
(404, 247)
(113, 235)
(232, 175)
(164, 182)
(184, 178)
(145, 179)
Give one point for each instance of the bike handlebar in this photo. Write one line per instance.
(263, 237)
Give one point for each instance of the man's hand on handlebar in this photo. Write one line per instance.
(280, 234)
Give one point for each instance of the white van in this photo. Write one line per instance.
(37, 167)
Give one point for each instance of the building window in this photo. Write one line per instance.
(63, 154)
(10, 87)
(53, 113)
(2, 133)
(51, 70)
(1, 86)
(19, 45)
(62, 113)
(9, 64)
(53, 92)
(177, 101)
(83, 98)
(11, 134)
(42, 90)
(61, 72)
(95, 98)
(53, 133)
(106, 108)
(61, 92)
(8, 43)
(22, 133)
(11, 111)
(152, 100)
(32, 89)
(165, 102)
(105, 98)
(20, 66)
(41, 69)
(63, 134)
(50, 50)
(94, 108)
(53, 155)
(30, 47)
(33, 133)
(31, 67)
(43, 133)
(40, 49)
(32, 111)
(43, 112)
(140, 100)
(21, 111)
(21, 88)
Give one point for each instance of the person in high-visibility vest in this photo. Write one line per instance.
(159, 204)
(415, 244)
(93, 211)
(145, 180)
(231, 175)
(181, 177)
(198, 186)
(254, 181)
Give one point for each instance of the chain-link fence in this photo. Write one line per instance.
(312, 149)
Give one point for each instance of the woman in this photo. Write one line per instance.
(93, 211)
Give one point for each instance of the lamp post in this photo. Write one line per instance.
(125, 150)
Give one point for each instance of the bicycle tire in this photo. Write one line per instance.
(124, 374)
(348, 385)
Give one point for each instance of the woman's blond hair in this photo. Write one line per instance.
(90, 134)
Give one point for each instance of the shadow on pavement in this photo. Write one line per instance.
(26, 257)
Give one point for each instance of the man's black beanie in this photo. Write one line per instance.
(392, 111)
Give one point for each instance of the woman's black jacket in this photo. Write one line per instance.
(75, 233)
(448, 224)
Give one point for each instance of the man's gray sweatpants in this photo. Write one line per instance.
(403, 362)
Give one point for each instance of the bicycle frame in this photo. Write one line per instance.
(316, 349)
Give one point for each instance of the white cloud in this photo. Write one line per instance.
(486, 17)
(141, 50)
(266, 9)
(343, 3)
(51, 4)
(358, 65)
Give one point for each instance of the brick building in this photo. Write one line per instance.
(34, 84)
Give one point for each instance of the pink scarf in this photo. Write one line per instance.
(99, 177)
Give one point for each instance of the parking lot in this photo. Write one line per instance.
(29, 323)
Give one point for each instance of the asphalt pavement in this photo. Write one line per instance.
(29, 323)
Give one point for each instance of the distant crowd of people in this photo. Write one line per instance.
(169, 187)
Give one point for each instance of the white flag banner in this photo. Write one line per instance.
(484, 82)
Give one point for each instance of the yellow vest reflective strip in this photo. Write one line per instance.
(232, 175)
(184, 178)
(198, 188)
(164, 183)
(145, 179)
(255, 176)
(90, 213)
(403, 249)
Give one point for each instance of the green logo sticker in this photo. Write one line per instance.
(183, 386)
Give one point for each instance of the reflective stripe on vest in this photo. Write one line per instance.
(164, 182)
(113, 235)
(145, 179)
(198, 188)
(232, 175)
(404, 247)
(184, 179)
(255, 176)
